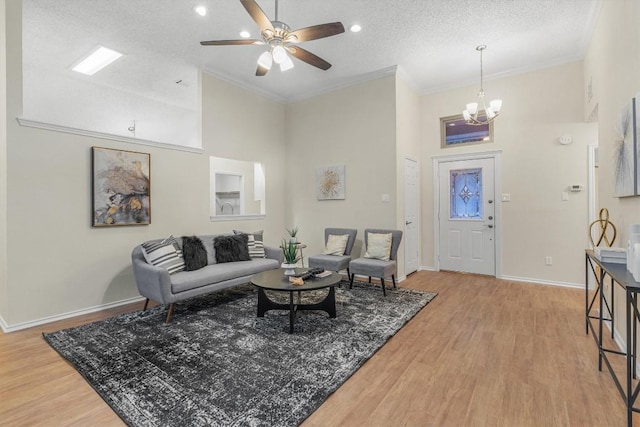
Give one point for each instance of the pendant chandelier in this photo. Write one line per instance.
(472, 114)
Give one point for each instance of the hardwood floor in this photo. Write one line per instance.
(485, 352)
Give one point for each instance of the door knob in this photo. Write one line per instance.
(490, 201)
(407, 222)
(490, 225)
(490, 217)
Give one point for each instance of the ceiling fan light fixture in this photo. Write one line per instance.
(355, 28)
(201, 10)
(245, 34)
(279, 54)
(265, 60)
(286, 65)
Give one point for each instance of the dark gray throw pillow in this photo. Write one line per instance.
(194, 253)
(231, 248)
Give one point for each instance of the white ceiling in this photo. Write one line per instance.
(431, 41)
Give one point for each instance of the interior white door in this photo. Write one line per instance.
(466, 216)
(411, 216)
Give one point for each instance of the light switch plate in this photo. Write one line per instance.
(564, 196)
(385, 197)
(506, 197)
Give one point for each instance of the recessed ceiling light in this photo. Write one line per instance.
(201, 10)
(355, 28)
(96, 61)
(245, 34)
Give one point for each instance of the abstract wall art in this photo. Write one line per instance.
(121, 187)
(626, 152)
(330, 183)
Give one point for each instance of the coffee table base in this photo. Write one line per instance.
(328, 304)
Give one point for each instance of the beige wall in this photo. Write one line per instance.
(538, 107)
(58, 264)
(355, 127)
(613, 64)
(4, 290)
(407, 146)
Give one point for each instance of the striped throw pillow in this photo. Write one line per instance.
(165, 254)
(256, 247)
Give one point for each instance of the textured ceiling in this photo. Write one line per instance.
(432, 41)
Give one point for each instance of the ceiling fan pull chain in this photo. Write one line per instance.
(276, 10)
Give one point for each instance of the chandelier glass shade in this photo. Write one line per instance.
(478, 113)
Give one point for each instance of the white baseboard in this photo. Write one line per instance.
(31, 323)
(544, 282)
(426, 268)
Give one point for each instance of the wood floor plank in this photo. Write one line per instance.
(484, 352)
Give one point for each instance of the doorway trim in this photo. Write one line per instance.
(497, 161)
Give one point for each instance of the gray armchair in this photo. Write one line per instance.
(335, 262)
(374, 267)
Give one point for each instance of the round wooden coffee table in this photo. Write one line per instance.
(275, 280)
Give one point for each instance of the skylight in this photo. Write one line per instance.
(96, 61)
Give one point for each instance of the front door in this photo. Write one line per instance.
(466, 216)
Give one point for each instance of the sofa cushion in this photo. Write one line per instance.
(336, 244)
(164, 253)
(194, 253)
(378, 246)
(231, 248)
(187, 280)
(259, 235)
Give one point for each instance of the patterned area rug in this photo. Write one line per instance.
(219, 364)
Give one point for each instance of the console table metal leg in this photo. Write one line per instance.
(600, 317)
(586, 294)
(613, 302)
(630, 368)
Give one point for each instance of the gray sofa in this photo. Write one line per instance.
(155, 283)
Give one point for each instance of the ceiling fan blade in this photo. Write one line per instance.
(257, 14)
(261, 71)
(316, 32)
(231, 42)
(308, 57)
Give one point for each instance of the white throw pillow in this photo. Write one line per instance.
(378, 246)
(336, 244)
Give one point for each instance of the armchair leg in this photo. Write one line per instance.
(146, 304)
(170, 313)
(393, 278)
(351, 281)
(369, 279)
(384, 289)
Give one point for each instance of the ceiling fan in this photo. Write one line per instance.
(281, 40)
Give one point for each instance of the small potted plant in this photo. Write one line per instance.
(291, 258)
(293, 234)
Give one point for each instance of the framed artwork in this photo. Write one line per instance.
(121, 187)
(455, 131)
(330, 183)
(626, 152)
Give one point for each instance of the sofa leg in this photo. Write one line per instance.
(369, 279)
(146, 304)
(384, 289)
(170, 313)
(393, 278)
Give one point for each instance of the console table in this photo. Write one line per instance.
(619, 277)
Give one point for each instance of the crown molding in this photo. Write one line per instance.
(102, 135)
